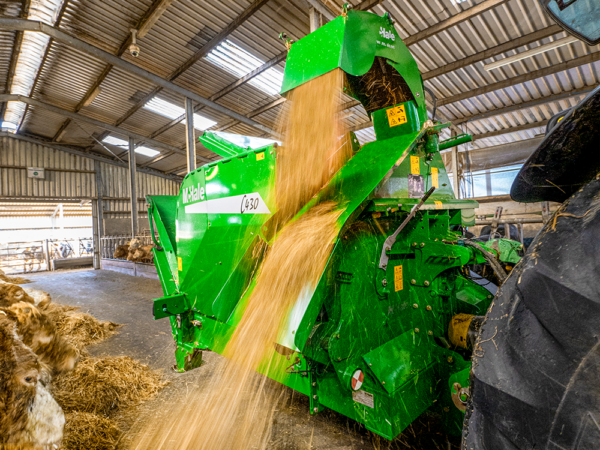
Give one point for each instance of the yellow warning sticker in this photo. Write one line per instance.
(398, 282)
(179, 264)
(415, 165)
(260, 156)
(438, 205)
(434, 178)
(396, 116)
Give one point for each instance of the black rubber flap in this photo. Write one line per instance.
(567, 159)
(536, 365)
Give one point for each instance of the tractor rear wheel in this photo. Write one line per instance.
(535, 382)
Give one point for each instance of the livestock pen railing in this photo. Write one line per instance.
(108, 244)
(36, 256)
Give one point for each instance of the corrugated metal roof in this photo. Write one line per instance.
(187, 25)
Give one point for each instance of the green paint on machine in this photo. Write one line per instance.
(385, 324)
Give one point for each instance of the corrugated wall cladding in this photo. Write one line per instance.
(115, 189)
(74, 176)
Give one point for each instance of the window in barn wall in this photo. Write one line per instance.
(172, 111)
(486, 183)
(237, 61)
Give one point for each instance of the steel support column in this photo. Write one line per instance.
(455, 176)
(190, 137)
(96, 235)
(315, 19)
(133, 189)
(100, 197)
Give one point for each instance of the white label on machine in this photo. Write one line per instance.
(364, 398)
(238, 204)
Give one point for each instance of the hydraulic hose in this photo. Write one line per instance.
(490, 258)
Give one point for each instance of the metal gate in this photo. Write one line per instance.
(35, 256)
(21, 257)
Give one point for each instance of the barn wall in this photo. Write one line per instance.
(70, 176)
(73, 176)
(115, 190)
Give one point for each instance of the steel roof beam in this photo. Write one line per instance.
(206, 48)
(145, 23)
(453, 21)
(513, 81)
(36, 26)
(525, 105)
(527, 126)
(150, 18)
(82, 118)
(322, 9)
(367, 4)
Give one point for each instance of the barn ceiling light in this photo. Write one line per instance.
(172, 111)
(237, 61)
(33, 47)
(146, 151)
(529, 53)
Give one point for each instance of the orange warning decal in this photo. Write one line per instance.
(396, 116)
(398, 281)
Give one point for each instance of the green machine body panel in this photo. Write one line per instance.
(351, 43)
(386, 324)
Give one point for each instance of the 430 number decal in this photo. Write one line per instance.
(249, 203)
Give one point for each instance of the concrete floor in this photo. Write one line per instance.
(126, 300)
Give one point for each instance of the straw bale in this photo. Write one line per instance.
(78, 328)
(90, 432)
(103, 385)
(14, 280)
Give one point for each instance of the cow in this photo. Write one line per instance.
(121, 251)
(33, 256)
(28, 412)
(143, 254)
(39, 333)
(11, 293)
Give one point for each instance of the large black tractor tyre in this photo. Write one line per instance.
(535, 382)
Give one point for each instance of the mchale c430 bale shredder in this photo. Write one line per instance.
(386, 333)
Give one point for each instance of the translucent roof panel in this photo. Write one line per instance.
(235, 60)
(172, 111)
(146, 151)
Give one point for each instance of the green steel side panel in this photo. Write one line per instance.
(383, 128)
(352, 187)
(352, 44)
(217, 225)
(165, 272)
(170, 305)
(472, 298)
(161, 214)
(400, 360)
(220, 146)
(166, 206)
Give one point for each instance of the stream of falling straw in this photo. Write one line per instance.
(237, 412)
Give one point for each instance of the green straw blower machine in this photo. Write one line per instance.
(387, 333)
